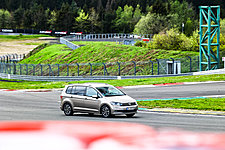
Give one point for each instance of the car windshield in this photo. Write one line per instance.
(110, 91)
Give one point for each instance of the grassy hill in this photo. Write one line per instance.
(103, 52)
(99, 52)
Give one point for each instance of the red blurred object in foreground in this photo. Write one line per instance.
(145, 39)
(56, 135)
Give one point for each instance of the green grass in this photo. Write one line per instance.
(106, 52)
(18, 37)
(32, 43)
(51, 54)
(128, 82)
(214, 104)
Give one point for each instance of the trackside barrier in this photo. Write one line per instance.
(79, 35)
(62, 40)
(78, 78)
(132, 68)
(49, 135)
(9, 58)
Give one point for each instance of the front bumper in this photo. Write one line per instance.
(116, 110)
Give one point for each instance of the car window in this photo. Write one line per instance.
(91, 92)
(69, 90)
(74, 91)
(110, 91)
(80, 90)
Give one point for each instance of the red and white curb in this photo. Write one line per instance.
(30, 90)
(168, 84)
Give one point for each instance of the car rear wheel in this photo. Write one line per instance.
(105, 111)
(130, 115)
(68, 110)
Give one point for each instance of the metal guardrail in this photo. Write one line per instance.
(11, 58)
(111, 37)
(68, 43)
(108, 36)
(78, 78)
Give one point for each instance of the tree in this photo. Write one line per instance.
(137, 15)
(124, 19)
(151, 24)
(160, 7)
(188, 28)
(39, 18)
(5, 19)
(222, 26)
(108, 21)
(179, 13)
(93, 18)
(52, 20)
(82, 22)
(18, 17)
(28, 19)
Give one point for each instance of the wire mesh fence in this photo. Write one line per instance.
(157, 67)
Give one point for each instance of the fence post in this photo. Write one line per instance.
(190, 63)
(134, 67)
(118, 68)
(7, 59)
(58, 68)
(158, 65)
(67, 66)
(20, 69)
(105, 70)
(9, 56)
(33, 69)
(90, 69)
(1, 69)
(173, 66)
(78, 69)
(49, 66)
(14, 68)
(152, 65)
(6, 67)
(41, 70)
(26, 69)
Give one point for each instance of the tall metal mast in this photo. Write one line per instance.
(209, 37)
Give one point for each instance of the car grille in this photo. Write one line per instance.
(128, 104)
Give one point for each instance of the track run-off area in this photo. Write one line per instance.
(36, 105)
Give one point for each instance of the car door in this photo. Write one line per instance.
(78, 96)
(92, 104)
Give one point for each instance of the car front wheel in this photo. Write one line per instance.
(105, 111)
(68, 110)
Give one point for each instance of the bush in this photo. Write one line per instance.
(174, 40)
(140, 44)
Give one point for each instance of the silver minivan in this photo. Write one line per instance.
(96, 98)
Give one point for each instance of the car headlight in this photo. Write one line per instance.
(116, 103)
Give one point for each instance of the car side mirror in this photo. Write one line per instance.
(95, 96)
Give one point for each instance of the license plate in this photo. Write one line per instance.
(130, 108)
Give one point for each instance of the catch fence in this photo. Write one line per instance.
(150, 67)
